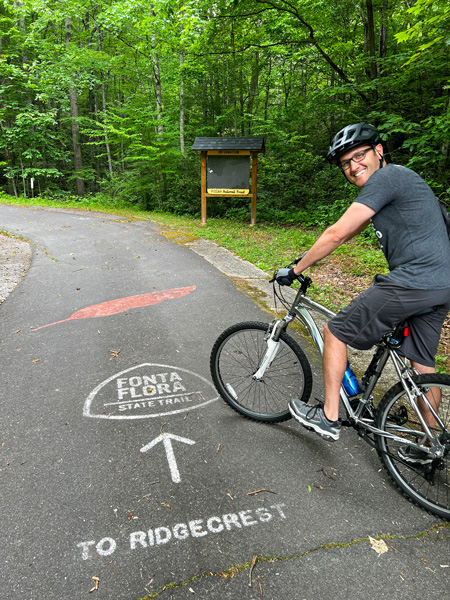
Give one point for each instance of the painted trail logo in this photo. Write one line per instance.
(148, 390)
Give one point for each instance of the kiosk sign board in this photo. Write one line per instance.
(226, 168)
(228, 172)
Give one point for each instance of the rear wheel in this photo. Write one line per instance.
(236, 356)
(423, 479)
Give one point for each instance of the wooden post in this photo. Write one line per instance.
(254, 180)
(203, 185)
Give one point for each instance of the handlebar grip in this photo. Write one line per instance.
(297, 260)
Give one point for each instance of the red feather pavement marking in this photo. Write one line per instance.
(122, 304)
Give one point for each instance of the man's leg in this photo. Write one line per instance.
(433, 396)
(422, 368)
(324, 420)
(415, 455)
(334, 365)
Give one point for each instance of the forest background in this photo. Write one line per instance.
(103, 99)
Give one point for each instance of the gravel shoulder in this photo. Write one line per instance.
(15, 260)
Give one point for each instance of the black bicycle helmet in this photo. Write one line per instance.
(350, 137)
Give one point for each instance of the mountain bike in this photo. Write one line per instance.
(258, 368)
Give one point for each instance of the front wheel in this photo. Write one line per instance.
(236, 356)
(424, 479)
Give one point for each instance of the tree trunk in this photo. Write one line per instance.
(77, 156)
(234, 81)
(160, 175)
(267, 91)
(384, 30)
(23, 28)
(371, 39)
(369, 43)
(108, 151)
(182, 150)
(252, 93)
(157, 85)
(241, 99)
(10, 158)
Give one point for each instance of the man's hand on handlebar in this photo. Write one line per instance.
(285, 276)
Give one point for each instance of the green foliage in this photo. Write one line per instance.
(294, 72)
(430, 28)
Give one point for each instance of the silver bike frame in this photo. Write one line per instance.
(300, 309)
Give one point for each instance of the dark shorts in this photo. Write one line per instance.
(379, 309)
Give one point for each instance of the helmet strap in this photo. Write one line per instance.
(380, 155)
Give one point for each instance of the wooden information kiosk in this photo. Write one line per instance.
(226, 167)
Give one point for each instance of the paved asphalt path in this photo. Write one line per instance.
(121, 468)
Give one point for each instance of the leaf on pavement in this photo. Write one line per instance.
(378, 545)
(113, 307)
(96, 580)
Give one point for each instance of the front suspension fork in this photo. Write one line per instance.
(273, 344)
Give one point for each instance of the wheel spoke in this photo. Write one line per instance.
(237, 355)
(423, 477)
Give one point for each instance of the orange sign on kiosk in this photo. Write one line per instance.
(229, 168)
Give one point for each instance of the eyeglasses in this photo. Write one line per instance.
(358, 157)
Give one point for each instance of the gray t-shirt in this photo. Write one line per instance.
(410, 228)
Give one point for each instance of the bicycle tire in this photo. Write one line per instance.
(237, 354)
(395, 414)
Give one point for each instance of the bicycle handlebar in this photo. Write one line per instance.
(305, 282)
(297, 260)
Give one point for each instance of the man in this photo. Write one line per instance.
(409, 226)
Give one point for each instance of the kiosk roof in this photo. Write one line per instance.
(256, 144)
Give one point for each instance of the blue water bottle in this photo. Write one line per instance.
(350, 382)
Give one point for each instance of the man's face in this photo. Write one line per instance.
(359, 172)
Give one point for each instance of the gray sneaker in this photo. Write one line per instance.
(313, 417)
(414, 455)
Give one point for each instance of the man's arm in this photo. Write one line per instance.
(353, 221)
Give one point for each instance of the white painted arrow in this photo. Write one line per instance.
(167, 438)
